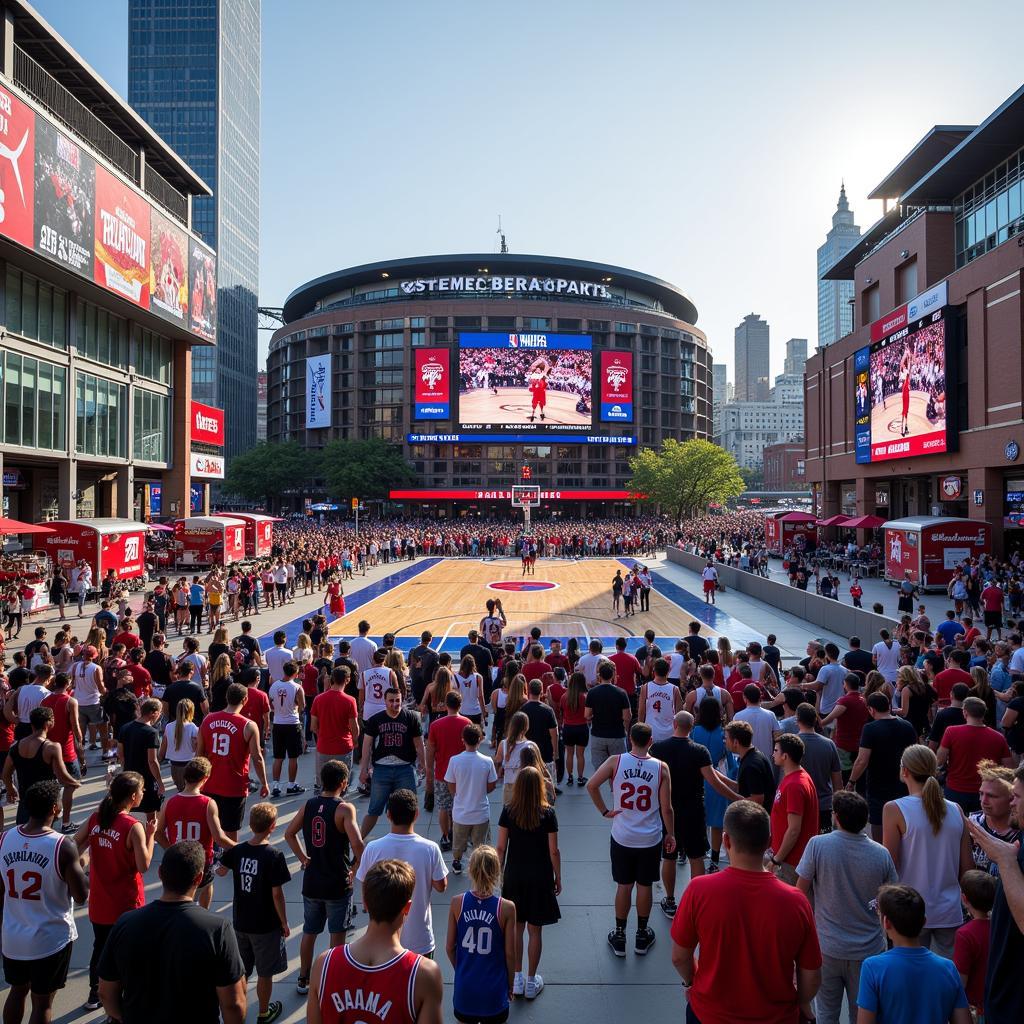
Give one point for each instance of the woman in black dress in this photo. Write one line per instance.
(528, 850)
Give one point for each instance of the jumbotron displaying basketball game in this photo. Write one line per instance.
(525, 382)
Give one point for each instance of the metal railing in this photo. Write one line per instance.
(73, 114)
(158, 188)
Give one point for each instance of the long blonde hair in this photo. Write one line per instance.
(920, 764)
(221, 668)
(907, 675)
(184, 714)
(485, 870)
(516, 698)
(725, 654)
(442, 685)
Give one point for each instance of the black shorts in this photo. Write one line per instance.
(231, 810)
(477, 1018)
(42, 976)
(575, 735)
(875, 806)
(994, 619)
(286, 740)
(691, 834)
(635, 865)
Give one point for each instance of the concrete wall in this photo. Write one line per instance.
(832, 615)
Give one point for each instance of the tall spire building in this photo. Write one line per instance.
(835, 312)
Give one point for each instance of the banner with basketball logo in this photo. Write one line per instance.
(433, 384)
(616, 387)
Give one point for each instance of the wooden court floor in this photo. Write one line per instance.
(514, 405)
(449, 600)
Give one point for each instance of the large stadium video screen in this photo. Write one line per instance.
(519, 384)
(900, 393)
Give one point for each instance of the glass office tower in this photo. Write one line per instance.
(194, 75)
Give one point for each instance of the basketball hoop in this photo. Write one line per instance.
(525, 496)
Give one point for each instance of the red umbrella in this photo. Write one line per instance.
(159, 528)
(798, 517)
(864, 523)
(11, 526)
(837, 520)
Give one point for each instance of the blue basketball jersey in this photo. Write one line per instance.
(481, 978)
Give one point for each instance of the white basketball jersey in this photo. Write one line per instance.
(635, 793)
(39, 917)
(492, 629)
(376, 682)
(284, 695)
(470, 693)
(676, 661)
(660, 709)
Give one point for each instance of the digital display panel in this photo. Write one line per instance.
(519, 384)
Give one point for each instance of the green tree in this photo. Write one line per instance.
(753, 479)
(266, 471)
(363, 469)
(685, 477)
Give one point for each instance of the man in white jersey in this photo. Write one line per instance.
(706, 688)
(362, 647)
(87, 683)
(278, 656)
(41, 875)
(374, 683)
(709, 574)
(641, 801)
(287, 702)
(886, 656)
(677, 662)
(659, 702)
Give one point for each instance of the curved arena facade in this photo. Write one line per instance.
(481, 364)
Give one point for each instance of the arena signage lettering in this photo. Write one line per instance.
(549, 285)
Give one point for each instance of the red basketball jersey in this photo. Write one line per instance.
(116, 884)
(225, 745)
(187, 817)
(351, 993)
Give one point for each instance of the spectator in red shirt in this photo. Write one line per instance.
(850, 715)
(992, 606)
(755, 933)
(954, 672)
(971, 632)
(127, 636)
(334, 719)
(963, 747)
(142, 680)
(970, 944)
(444, 741)
(795, 816)
(628, 673)
(535, 665)
(556, 659)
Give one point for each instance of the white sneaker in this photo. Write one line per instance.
(518, 984)
(534, 985)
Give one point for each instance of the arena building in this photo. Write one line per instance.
(479, 364)
(918, 410)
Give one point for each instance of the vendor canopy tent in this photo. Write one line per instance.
(864, 523)
(837, 520)
(10, 526)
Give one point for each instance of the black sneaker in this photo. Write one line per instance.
(92, 1002)
(617, 940)
(712, 867)
(274, 1010)
(581, 781)
(302, 985)
(668, 905)
(456, 867)
(296, 789)
(568, 780)
(644, 940)
(445, 844)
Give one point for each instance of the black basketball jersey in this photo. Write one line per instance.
(326, 874)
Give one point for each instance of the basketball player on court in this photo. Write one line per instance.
(228, 740)
(490, 365)
(538, 377)
(492, 625)
(641, 801)
(287, 702)
(905, 375)
(659, 701)
(42, 875)
(375, 978)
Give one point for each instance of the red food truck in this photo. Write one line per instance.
(931, 547)
(118, 544)
(785, 530)
(259, 533)
(209, 540)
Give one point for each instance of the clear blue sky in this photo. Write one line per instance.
(701, 143)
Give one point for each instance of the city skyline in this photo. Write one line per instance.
(556, 192)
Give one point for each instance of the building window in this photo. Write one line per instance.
(36, 309)
(34, 396)
(906, 281)
(154, 356)
(102, 336)
(151, 428)
(101, 418)
(871, 308)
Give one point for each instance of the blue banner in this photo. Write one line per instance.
(196, 498)
(156, 496)
(524, 340)
(862, 404)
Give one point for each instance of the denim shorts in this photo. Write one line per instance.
(318, 913)
(386, 779)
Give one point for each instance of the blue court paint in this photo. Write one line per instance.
(353, 602)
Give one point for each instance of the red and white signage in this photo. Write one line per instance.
(952, 488)
(122, 233)
(259, 533)
(209, 540)
(105, 544)
(779, 537)
(209, 467)
(207, 424)
(472, 494)
(930, 549)
(17, 168)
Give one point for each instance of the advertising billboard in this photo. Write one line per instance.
(168, 270)
(525, 383)
(207, 467)
(17, 180)
(65, 188)
(202, 278)
(433, 384)
(318, 392)
(122, 238)
(900, 383)
(207, 424)
(616, 387)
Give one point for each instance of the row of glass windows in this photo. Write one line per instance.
(151, 437)
(34, 402)
(36, 309)
(102, 336)
(990, 211)
(101, 416)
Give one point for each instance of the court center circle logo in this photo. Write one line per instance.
(522, 586)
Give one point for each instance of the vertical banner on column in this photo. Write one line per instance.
(433, 384)
(616, 387)
(318, 392)
(862, 404)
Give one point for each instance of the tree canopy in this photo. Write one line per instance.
(685, 477)
(362, 469)
(266, 471)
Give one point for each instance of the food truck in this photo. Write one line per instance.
(785, 530)
(105, 544)
(259, 533)
(931, 547)
(209, 540)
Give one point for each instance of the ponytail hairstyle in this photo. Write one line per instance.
(919, 763)
(123, 788)
(184, 713)
(442, 686)
(577, 691)
(518, 725)
(516, 696)
(485, 870)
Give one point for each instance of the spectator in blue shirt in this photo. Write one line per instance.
(909, 984)
(950, 629)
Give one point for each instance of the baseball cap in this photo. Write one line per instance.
(89, 651)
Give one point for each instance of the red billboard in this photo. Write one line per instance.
(475, 494)
(122, 239)
(433, 384)
(616, 387)
(207, 424)
(168, 270)
(17, 169)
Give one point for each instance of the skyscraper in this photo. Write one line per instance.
(835, 312)
(194, 75)
(719, 396)
(796, 356)
(751, 361)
